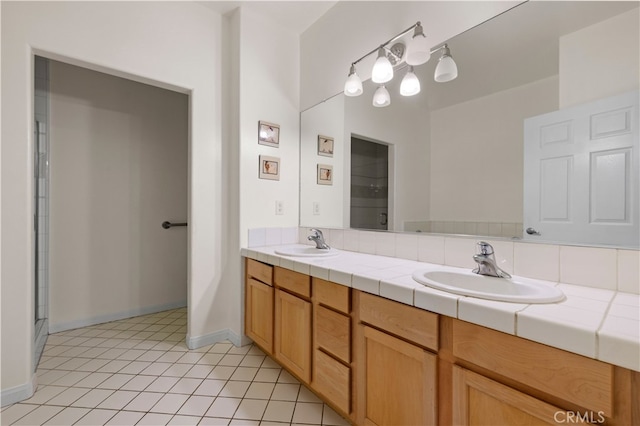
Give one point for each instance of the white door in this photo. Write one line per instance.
(581, 180)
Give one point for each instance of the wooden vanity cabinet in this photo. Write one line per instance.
(380, 362)
(259, 304)
(396, 372)
(331, 376)
(292, 322)
(499, 378)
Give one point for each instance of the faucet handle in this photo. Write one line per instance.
(316, 232)
(485, 248)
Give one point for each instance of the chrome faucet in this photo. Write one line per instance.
(317, 237)
(487, 262)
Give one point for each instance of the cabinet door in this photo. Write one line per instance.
(259, 314)
(398, 382)
(478, 400)
(293, 334)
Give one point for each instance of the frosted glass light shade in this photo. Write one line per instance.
(410, 84)
(446, 70)
(381, 97)
(353, 85)
(418, 51)
(382, 69)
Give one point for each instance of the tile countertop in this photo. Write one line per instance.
(596, 323)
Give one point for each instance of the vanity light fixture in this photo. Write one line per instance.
(417, 53)
(353, 85)
(382, 69)
(447, 69)
(381, 97)
(410, 84)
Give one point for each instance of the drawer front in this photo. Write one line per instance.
(574, 378)
(295, 282)
(331, 294)
(260, 271)
(333, 333)
(413, 324)
(331, 379)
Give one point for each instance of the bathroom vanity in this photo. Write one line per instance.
(379, 361)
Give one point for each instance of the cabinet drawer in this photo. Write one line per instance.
(413, 324)
(331, 379)
(574, 378)
(333, 295)
(295, 282)
(260, 271)
(333, 333)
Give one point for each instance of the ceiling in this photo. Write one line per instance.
(296, 16)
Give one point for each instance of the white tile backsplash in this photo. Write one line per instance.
(629, 271)
(604, 268)
(431, 249)
(367, 242)
(385, 244)
(541, 261)
(459, 252)
(273, 236)
(257, 237)
(407, 246)
(589, 266)
(336, 238)
(351, 241)
(289, 235)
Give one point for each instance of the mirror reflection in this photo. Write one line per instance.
(451, 159)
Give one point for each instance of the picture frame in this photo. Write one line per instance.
(325, 146)
(325, 174)
(268, 134)
(269, 168)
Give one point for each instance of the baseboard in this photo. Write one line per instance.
(216, 337)
(56, 328)
(18, 393)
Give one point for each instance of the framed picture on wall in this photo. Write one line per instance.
(325, 174)
(269, 168)
(268, 134)
(325, 146)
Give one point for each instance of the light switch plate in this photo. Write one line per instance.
(279, 207)
(316, 208)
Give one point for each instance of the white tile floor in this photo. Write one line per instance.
(138, 371)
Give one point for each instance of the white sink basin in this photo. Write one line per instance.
(466, 283)
(297, 251)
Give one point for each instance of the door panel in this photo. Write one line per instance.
(582, 173)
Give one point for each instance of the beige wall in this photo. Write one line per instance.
(118, 170)
(588, 58)
(480, 164)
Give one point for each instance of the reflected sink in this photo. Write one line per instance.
(466, 283)
(297, 251)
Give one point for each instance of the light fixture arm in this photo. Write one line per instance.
(384, 45)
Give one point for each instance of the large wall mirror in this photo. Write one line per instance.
(493, 152)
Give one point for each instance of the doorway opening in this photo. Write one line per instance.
(111, 162)
(369, 184)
